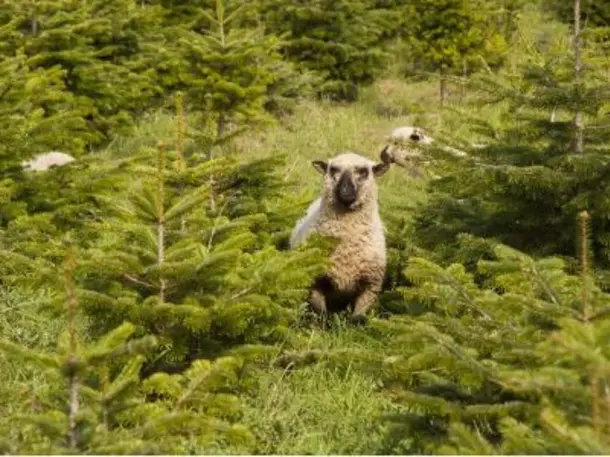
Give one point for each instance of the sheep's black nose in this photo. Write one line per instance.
(347, 198)
(346, 191)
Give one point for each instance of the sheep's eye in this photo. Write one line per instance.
(363, 173)
(334, 171)
(415, 137)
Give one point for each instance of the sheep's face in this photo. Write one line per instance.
(349, 179)
(412, 135)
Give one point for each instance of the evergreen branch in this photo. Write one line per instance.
(584, 263)
(547, 290)
(427, 404)
(495, 410)
(6, 90)
(183, 421)
(241, 293)
(51, 424)
(142, 345)
(118, 388)
(554, 421)
(73, 380)
(138, 281)
(186, 203)
(457, 352)
(109, 343)
(10, 83)
(22, 353)
(598, 315)
(191, 389)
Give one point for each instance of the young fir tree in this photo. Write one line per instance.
(546, 160)
(341, 41)
(102, 48)
(202, 280)
(52, 203)
(96, 402)
(228, 68)
(569, 382)
(593, 13)
(37, 114)
(42, 110)
(450, 37)
(241, 59)
(461, 335)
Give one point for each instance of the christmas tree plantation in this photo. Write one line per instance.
(149, 300)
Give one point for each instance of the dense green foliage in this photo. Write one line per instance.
(527, 185)
(148, 299)
(341, 41)
(100, 50)
(595, 13)
(452, 35)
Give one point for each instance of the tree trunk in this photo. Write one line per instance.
(161, 255)
(180, 134)
(161, 220)
(221, 126)
(578, 123)
(220, 132)
(463, 82)
(73, 381)
(442, 87)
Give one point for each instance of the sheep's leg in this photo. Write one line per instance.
(317, 300)
(317, 303)
(363, 303)
(317, 294)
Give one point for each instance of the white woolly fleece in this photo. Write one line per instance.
(43, 162)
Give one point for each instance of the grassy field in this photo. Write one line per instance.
(318, 409)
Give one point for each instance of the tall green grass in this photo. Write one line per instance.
(26, 318)
(318, 410)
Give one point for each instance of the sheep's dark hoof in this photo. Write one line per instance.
(358, 320)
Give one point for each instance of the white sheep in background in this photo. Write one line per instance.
(348, 211)
(42, 162)
(403, 148)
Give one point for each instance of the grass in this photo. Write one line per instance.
(317, 410)
(24, 319)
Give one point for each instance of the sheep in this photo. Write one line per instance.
(42, 162)
(347, 210)
(402, 147)
(403, 144)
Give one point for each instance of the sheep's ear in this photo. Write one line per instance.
(386, 156)
(320, 165)
(380, 169)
